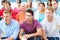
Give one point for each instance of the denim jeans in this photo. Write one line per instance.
(35, 38)
(32, 38)
(53, 38)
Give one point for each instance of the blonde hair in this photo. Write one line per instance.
(50, 8)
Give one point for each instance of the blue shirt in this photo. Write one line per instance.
(57, 12)
(39, 16)
(10, 30)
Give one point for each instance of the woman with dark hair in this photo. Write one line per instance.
(39, 14)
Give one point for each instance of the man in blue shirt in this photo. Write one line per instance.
(9, 28)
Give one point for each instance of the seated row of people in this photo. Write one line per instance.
(30, 29)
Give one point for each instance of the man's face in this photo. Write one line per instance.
(28, 16)
(49, 14)
(6, 17)
(54, 5)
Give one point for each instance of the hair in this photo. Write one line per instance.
(30, 11)
(3, 1)
(50, 8)
(19, 1)
(8, 3)
(55, 1)
(49, 2)
(7, 11)
(42, 3)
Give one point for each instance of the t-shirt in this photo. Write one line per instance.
(10, 30)
(51, 27)
(30, 28)
(20, 17)
(39, 16)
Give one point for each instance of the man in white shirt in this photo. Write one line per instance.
(50, 25)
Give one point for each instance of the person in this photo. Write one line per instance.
(3, 3)
(56, 8)
(20, 16)
(18, 8)
(40, 13)
(51, 25)
(9, 28)
(8, 7)
(3, 6)
(30, 29)
(29, 5)
(49, 3)
(0, 15)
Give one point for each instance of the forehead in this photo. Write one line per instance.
(48, 10)
(27, 13)
(40, 4)
(6, 4)
(54, 2)
(6, 14)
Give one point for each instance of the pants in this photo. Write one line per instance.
(32, 38)
(0, 18)
(35, 38)
(52, 38)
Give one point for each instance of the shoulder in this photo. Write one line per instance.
(56, 19)
(1, 22)
(23, 24)
(37, 12)
(44, 21)
(36, 21)
(14, 21)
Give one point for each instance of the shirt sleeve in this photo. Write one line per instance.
(22, 26)
(0, 29)
(16, 31)
(38, 24)
(58, 21)
(43, 24)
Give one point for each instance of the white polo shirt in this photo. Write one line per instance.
(51, 27)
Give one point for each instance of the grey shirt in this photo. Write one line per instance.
(51, 27)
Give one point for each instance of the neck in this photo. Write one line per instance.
(30, 22)
(18, 6)
(7, 23)
(8, 9)
(41, 11)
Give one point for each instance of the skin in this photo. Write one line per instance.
(54, 5)
(7, 6)
(41, 8)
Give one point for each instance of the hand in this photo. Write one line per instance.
(23, 38)
(27, 36)
(0, 38)
(45, 39)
